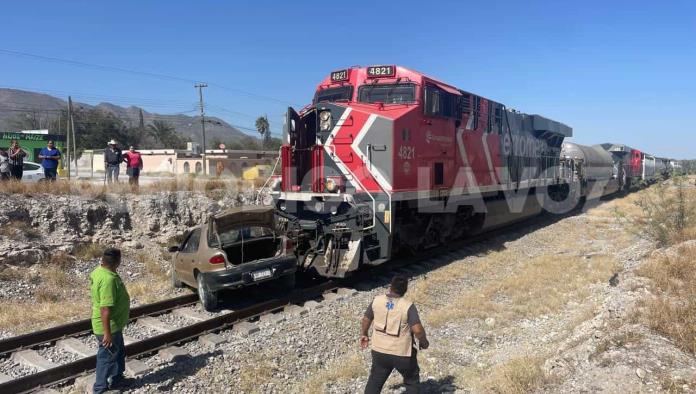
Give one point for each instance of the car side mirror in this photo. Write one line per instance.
(173, 249)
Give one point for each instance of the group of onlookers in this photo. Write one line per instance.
(113, 157)
(12, 162)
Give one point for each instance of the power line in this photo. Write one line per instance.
(136, 72)
(100, 96)
(147, 116)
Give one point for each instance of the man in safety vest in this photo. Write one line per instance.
(396, 322)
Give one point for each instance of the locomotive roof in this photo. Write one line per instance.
(359, 74)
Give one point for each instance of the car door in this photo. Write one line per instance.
(187, 257)
(31, 171)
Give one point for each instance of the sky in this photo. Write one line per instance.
(615, 71)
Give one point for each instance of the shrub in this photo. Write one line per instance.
(673, 312)
(60, 259)
(515, 376)
(668, 213)
(16, 228)
(89, 251)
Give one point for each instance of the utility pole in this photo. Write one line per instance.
(67, 133)
(142, 122)
(74, 141)
(200, 87)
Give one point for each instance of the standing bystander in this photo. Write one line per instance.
(16, 158)
(134, 162)
(396, 322)
(50, 156)
(4, 166)
(110, 310)
(112, 161)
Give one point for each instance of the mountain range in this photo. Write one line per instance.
(15, 103)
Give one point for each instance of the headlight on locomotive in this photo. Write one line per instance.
(331, 185)
(325, 120)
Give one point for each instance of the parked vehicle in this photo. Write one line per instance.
(33, 172)
(236, 248)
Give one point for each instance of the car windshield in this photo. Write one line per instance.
(341, 93)
(245, 233)
(396, 93)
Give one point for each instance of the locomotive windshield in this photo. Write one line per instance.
(397, 93)
(341, 93)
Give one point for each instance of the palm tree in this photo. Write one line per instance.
(263, 127)
(165, 133)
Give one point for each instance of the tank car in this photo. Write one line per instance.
(593, 169)
(388, 160)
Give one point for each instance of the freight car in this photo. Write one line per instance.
(594, 173)
(662, 167)
(388, 160)
(629, 163)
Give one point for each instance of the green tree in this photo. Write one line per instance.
(165, 133)
(264, 128)
(33, 120)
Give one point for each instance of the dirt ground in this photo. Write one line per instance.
(556, 309)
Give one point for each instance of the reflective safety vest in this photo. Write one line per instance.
(391, 333)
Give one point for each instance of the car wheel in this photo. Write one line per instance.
(209, 298)
(176, 283)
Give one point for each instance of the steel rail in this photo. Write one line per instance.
(24, 341)
(74, 369)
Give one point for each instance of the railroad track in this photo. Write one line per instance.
(201, 325)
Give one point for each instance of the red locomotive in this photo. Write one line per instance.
(629, 162)
(388, 160)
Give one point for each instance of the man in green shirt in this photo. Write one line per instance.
(110, 309)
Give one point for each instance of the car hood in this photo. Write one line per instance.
(243, 216)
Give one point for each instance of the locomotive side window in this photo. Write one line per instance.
(439, 174)
(495, 118)
(477, 111)
(341, 93)
(397, 93)
(498, 119)
(440, 103)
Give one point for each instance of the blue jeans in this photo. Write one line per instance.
(111, 362)
(112, 172)
(50, 173)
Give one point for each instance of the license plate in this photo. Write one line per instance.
(261, 274)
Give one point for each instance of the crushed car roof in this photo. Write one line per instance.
(243, 216)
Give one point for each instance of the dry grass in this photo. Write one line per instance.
(666, 213)
(58, 298)
(254, 373)
(542, 285)
(23, 316)
(61, 260)
(10, 273)
(351, 366)
(19, 229)
(89, 251)
(100, 191)
(672, 311)
(515, 376)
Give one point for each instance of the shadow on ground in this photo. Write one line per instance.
(442, 385)
(174, 372)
